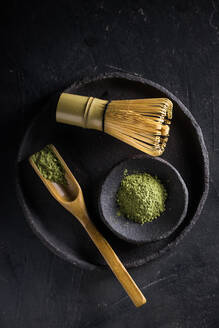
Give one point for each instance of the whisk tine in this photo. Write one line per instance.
(142, 123)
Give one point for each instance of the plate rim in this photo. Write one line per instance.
(206, 174)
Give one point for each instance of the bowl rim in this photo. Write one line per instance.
(179, 220)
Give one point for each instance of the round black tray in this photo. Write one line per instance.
(90, 155)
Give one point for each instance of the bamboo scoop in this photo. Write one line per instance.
(71, 198)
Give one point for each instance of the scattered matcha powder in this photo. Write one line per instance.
(49, 165)
(141, 197)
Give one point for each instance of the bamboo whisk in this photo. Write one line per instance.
(141, 123)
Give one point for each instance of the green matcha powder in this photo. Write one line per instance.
(141, 197)
(49, 165)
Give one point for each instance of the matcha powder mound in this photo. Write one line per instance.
(141, 197)
(49, 165)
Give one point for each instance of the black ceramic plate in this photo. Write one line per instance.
(90, 155)
(176, 203)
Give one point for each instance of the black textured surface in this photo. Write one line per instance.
(90, 155)
(45, 46)
(176, 203)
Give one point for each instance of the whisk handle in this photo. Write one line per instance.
(86, 112)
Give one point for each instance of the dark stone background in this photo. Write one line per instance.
(44, 47)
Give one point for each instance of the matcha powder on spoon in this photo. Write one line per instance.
(49, 165)
(141, 197)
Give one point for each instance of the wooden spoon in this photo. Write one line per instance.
(71, 198)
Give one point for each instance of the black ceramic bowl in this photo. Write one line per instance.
(162, 227)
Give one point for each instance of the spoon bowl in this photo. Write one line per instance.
(169, 220)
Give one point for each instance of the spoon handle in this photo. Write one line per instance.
(113, 261)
